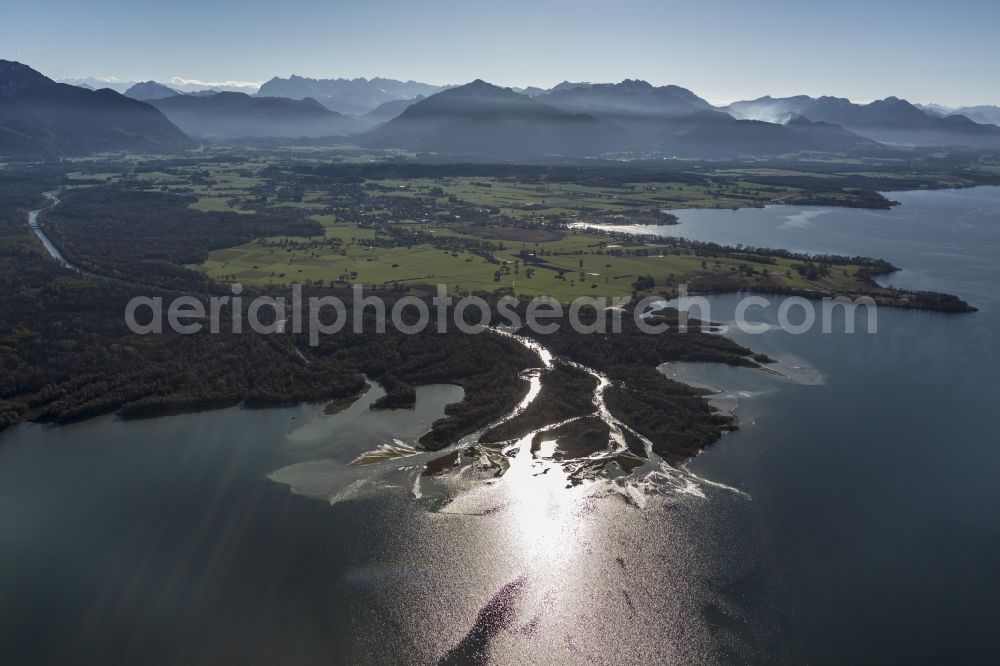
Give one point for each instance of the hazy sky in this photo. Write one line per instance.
(946, 52)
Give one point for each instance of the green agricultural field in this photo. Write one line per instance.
(493, 233)
(578, 264)
(533, 199)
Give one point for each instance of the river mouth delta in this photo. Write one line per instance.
(287, 535)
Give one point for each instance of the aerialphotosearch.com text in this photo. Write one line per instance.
(317, 316)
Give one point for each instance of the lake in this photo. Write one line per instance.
(854, 517)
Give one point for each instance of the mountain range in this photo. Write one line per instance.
(889, 120)
(348, 96)
(42, 118)
(632, 116)
(980, 114)
(148, 90)
(180, 85)
(230, 115)
(628, 99)
(482, 119)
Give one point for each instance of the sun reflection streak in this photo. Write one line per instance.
(543, 509)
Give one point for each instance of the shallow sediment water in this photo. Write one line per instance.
(853, 518)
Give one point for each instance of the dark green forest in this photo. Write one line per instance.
(66, 353)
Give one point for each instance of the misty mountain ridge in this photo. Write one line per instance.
(389, 110)
(567, 85)
(630, 98)
(42, 118)
(181, 86)
(148, 90)
(645, 111)
(94, 83)
(889, 120)
(983, 113)
(579, 119)
(480, 118)
(483, 119)
(719, 135)
(348, 96)
(231, 115)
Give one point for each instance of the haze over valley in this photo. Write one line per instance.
(479, 119)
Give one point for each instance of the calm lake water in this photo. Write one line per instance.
(854, 518)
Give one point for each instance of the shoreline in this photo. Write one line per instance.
(343, 404)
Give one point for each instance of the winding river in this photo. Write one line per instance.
(36, 228)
